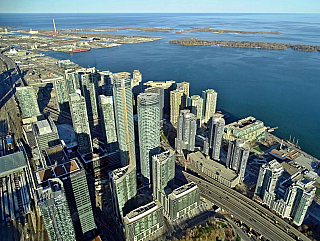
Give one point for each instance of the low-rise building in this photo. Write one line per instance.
(249, 129)
(214, 169)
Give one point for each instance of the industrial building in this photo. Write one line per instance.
(249, 129)
(238, 154)
(149, 131)
(186, 131)
(123, 184)
(15, 183)
(216, 128)
(209, 104)
(144, 222)
(108, 122)
(27, 101)
(122, 94)
(80, 122)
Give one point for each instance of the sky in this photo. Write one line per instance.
(162, 6)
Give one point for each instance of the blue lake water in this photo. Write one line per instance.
(279, 87)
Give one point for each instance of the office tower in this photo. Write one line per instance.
(72, 81)
(89, 84)
(145, 222)
(186, 131)
(209, 104)
(108, 122)
(268, 178)
(216, 128)
(177, 103)
(184, 86)
(163, 172)
(136, 78)
(183, 200)
(160, 92)
(73, 176)
(62, 94)
(55, 213)
(122, 94)
(80, 122)
(27, 101)
(238, 153)
(196, 106)
(123, 184)
(304, 192)
(46, 135)
(149, 131)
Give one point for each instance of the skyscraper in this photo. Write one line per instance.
(73, 176)
(89, 89)
(107, 81)
(304, 194)
(216, 128)
(136, 78)
(55, 212)
(149, 131)
(209, 104)
(160, 92)
(123, 184)
(184, 86)
(197, 106)
(238, 153)
(122, 94)
(183, 200)
(268, 177)
(186, 131)
(177, 103)
(27, 101)
(143, 222)
(108, 122)
(80, 122)
(62, 94)
(163, 172)
(72, 81)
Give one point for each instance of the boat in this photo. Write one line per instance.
(78, 50)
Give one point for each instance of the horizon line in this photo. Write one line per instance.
(162, 12)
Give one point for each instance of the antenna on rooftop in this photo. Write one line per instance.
(54, 26)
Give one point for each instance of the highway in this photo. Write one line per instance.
(248, 205)
(239, 209)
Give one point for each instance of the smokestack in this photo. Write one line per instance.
(54, 26)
